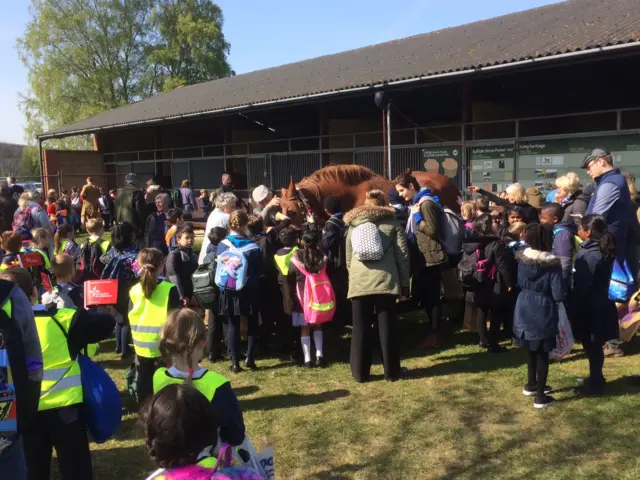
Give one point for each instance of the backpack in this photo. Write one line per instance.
(576, 243)
(452, 230)
(102, 406)
(366, 243)
(89, 265)
(340, 260)
(131, 379)
(23, 223)
(474, 272)
(176, 198)
(318, 299)
(204, 285)
(231, 269)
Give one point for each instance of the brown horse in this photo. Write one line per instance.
(351, 183)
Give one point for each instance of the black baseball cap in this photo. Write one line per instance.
(595, 153)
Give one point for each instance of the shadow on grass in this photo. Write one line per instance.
(622, 386)
(129, 430)
(248, 390)
(128, 462)
(339, 473)
(291, 400)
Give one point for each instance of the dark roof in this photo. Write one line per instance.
(572, 26)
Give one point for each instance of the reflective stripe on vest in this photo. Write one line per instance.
(63, 245)
(61, 382)
(283, 262)
(45, 257)
(207, 384)
(147, 317)
(8, 405)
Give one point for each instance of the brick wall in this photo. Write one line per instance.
(76, 166)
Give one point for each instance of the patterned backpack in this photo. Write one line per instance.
(318, 299)
(23, 223)
(366, 243)
(231, 270)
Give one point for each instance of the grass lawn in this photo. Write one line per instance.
(460, 414)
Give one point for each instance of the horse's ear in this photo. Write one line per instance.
(292, 187)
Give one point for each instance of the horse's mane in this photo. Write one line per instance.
(343, 174)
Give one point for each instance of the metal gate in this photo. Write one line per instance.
(296, 165)
(371, 159)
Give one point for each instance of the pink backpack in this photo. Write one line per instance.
(318, 299)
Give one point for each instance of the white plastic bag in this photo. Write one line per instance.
(564, 338)
(261, 462)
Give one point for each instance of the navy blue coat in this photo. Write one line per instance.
(541, 287)
(593, 316)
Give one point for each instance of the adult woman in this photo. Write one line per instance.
(188, 199)
(427, 255)
(571, 197)
(375, 284)
(516, 195)
(225, 205)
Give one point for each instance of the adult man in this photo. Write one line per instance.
(15, 190)
(90, 195)
(611, 198)
(156, 228)
(266, 203)
(226, 187)
(131, 206)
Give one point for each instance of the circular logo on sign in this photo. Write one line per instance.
(455, 152)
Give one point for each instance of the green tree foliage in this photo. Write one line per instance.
(87, 56)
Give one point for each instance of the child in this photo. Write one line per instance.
(593, 316)
(174, 217)
(514, 215)
(182, 342)
(490, 292)
(482, 205)
(40, 244)
(181, 263)
(150, 300)
(563, 237)
(106, 207)
(12, 245)
(333, 244)
(215, 334)
(468, 211)
(234, 303)
(61, 214)
(64, 242)
(287, 282)
(313, 261)
(514, 235)
(51, 209)
(181, 430)
(60, 424)
(65, 294)
(92, 251)
(536, 314)
(120, 263)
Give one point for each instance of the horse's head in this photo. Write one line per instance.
(292, 205)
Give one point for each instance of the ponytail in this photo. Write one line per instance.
(150, 265)
(311, 255)
(608, 247)
(596, 226)
(180, 335)
(61, 235)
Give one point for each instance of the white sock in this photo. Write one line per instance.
(306, 348)
(317, 339)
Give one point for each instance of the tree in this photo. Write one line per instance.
(87, 56)
(10, 160)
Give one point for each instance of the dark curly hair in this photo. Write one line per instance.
(179, 422)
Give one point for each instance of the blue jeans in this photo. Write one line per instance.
(123, 333)
(12, 462)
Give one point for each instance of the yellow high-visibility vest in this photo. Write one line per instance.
(207, 384)
(283, 262)
(61, 382)
(147, 317)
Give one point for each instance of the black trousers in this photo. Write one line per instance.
(366, 311)
(145, 367)
(595, 354)
(271, 311)
(215, 334)
(233, 340)
(538, 371)
(482, 312)
(64, 430)
(426, 288)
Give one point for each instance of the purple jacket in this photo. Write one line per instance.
(188, 200)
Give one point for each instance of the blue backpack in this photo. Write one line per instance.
(102, 403)
(231, 271)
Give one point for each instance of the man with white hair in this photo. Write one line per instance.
(155, 228)
(225, 205)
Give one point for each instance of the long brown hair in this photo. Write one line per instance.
(150, 264)
(180, 335)
(60, 235)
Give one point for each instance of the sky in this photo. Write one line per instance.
(270, 33)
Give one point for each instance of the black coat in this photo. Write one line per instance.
(575, 204)
(496, 292)
(131, 207)
(541, 288)
(529, 212)
(593, 316)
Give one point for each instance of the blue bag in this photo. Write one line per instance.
(102, 403)
(622, 284)
(231, 269)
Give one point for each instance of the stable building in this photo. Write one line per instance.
(520, 97)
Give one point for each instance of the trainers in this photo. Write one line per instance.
(613, 350)
(532, 391)
(544, 402)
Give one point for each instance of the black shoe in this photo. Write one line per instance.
(251, 365)
(589, 389)
(543, 402)
(483, 345)
(308, 364)
(532, 390)
(497, 349)
(236, 368)
(320, 362)
(118, 351)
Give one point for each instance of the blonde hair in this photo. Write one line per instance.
(238, 220)
(40, 237)
(180, 335)
(631, 183)
(150, 266)
(185, 184)
(375, 197)
(23, 201)
(518, 193)
(95, 225)
(516, 229)
(569, 183)
(468, 209)
(63, 267)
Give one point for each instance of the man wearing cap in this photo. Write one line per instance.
(265, 201)
(611, 198)
(131, 205)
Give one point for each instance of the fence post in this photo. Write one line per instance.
(59, 181)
